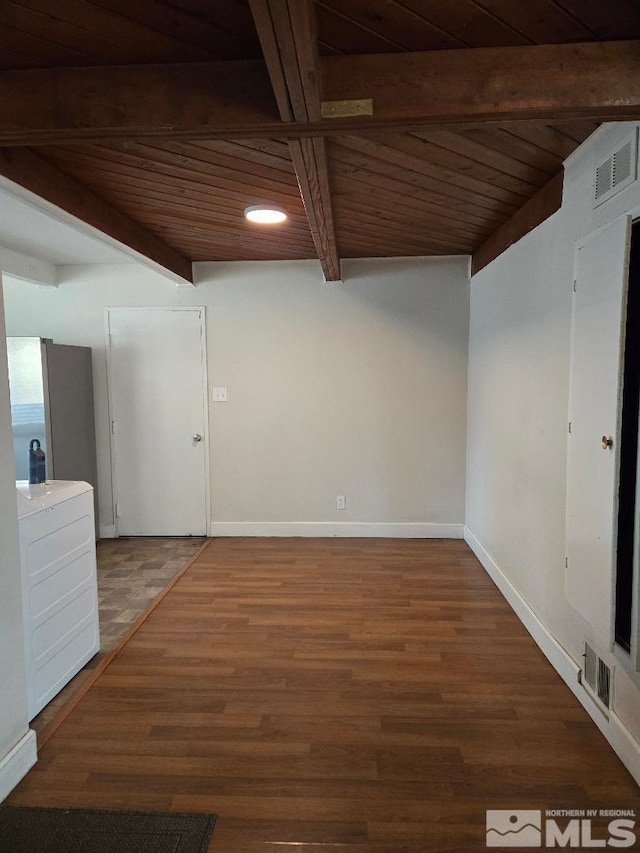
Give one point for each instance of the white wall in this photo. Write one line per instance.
(356, 389)
(17, 745)
(361, 389)
(519, 347)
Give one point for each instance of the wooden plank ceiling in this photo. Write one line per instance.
(406, 186)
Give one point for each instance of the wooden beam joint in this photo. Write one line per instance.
(287, 33)
(400, 91)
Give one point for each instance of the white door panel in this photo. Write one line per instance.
(157, 397)
(601, 273)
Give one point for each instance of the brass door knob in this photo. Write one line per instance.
(607, 442)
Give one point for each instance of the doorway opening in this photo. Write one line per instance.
(626, 561)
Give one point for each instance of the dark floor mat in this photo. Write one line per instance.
(24, 829)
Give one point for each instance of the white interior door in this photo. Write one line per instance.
(601, 276)
(158, 405)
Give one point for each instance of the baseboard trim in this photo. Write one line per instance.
(107, 531)
(17, 763)
(400, 530)
(619, 737)
(624, 744)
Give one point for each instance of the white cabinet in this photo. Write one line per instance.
(59, 584)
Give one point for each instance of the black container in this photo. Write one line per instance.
(37, 464)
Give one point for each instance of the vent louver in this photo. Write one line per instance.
(590, 667)
(604, 178)
(596, 675)
(604, 683)
(617, 171)
(622, 164)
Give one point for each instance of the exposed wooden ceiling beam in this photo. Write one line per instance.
(588, 80)
(286, 29)
(232, 100)
(539, 207)
(35, 174)
(311, 163)
(40, 106)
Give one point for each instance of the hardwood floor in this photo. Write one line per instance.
(132, 572)
(343, 696)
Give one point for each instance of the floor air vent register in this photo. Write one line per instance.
(596, 677)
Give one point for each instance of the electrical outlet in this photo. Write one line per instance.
(341, 502)
(220, 395)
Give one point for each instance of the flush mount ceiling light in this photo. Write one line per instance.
(265, 214)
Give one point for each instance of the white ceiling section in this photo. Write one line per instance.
(36, 238)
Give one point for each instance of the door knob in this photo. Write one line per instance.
(607, 442)
(197, 437)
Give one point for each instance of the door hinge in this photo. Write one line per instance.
(569, 426)
(117, 511)
(575, 285)
(113, 428)
(566, 562)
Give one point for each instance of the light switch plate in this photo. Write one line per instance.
(220, 395)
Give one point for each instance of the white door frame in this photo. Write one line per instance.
(201, 309)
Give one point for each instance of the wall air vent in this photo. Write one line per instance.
(618, 171)
(596, 677)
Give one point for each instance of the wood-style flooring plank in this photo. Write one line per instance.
(331, 696)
